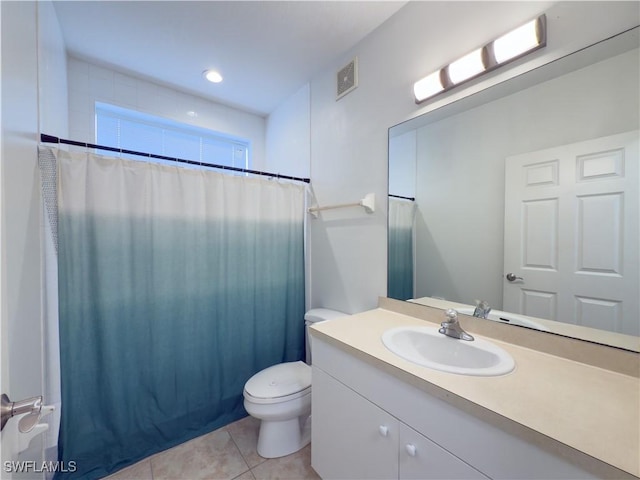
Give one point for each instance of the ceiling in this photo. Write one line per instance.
(265, 50)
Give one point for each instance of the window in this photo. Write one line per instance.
(131, 130)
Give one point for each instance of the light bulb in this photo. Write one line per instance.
(428, 86)
(516, 42)
(212, 76)
(466, 67)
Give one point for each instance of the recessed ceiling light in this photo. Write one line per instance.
(212, 76)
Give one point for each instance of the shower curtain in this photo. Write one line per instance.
(175, 286)
(401, 255)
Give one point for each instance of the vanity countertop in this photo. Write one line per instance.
(593, 410)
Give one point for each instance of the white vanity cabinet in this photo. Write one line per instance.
(353, 438)
(356, 439)
(420, 458)
(368, 424)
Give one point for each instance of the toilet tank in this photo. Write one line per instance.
(317, 315)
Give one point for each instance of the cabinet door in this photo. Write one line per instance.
(422, 459)
(351, 437)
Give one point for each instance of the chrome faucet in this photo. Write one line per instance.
(451, 327)
(482, 309)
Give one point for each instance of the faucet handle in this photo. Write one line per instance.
(451, 327)
(483, 304)
(451, 314)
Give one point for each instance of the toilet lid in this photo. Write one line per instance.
(279, 380)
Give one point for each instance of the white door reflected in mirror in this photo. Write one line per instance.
(570, 227)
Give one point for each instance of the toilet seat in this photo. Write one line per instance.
(279, 383)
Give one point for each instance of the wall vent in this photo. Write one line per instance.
(347, 78)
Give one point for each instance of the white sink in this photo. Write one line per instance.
(427, 347)
(506, 317)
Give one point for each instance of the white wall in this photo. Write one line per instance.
(21, 199)
(402, 164)
(89, 83)
(460, 179)
(4, 323)
(349, 136)
(54, 120)
(288, 136)
(29, 31)
(52, 73)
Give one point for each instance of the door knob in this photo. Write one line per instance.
(512, 277)
(32, 406)
(384, 430)
(411, 449)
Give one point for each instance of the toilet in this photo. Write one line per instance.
(280, 397)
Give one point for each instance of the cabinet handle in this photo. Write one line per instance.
(384, 430)
(411, 449)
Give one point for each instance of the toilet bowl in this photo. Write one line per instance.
(280, 397)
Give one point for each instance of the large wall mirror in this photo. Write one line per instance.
(525, 195)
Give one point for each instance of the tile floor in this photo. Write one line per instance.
(227, 453)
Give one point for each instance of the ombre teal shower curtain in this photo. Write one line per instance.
(401, 251)
(175, 286)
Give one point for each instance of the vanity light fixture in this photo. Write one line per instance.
(519, 42)
(212, 76)
(466, 67)
(428, 86)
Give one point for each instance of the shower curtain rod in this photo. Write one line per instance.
(44, 138)
(403, 198)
